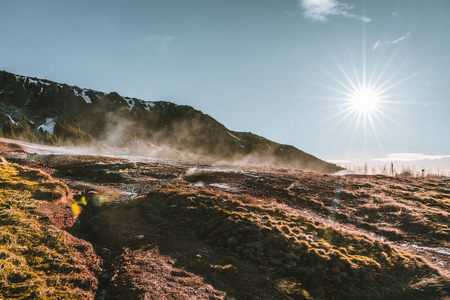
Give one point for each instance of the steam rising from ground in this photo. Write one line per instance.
(182, 133)
(183, 139)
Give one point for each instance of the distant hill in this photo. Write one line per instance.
(41, 107)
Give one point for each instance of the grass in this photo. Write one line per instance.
(37, 261)
(415, 208)
(307, 258)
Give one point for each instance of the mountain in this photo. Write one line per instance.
(139, 127)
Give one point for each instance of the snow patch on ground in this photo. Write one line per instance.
(83, 95)
(445, 251)
(221, 185)
(194, 170)
(440, 255)
(343, 173)
(224, 186)
(49, 125)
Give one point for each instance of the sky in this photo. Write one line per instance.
(291, 71)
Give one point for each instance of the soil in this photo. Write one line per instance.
(147, 255)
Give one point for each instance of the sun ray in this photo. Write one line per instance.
(346, 76)
(346, 112)
(386, 67)
(365, 103)
(333, 89)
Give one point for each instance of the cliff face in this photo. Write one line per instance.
(117, 120)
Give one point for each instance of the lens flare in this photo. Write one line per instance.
(76, 209)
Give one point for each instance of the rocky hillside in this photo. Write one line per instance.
(139, 125)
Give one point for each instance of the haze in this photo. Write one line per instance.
(285, 70)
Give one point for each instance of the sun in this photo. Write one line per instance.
(364, 100)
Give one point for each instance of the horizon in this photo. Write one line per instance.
(345, 81)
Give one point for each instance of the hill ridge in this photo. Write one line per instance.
(140, 125)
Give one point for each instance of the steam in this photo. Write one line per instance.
(181, 133)
(168, 131)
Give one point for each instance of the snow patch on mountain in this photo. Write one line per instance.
(130, 103)
(83, 95)
(28, 80)
(49, 125)
(147, 105)
(10, 118)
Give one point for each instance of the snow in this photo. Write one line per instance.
(83, 95)
(442, 250)
(147, 105)
(14, 122)
(269, 146)
(194, 170)
(32, 81)
(25, 78)
(343, 173)
(130, 103)
(224, 186)
(49, 125)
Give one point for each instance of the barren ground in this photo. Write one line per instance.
(163, 229)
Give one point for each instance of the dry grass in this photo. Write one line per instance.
(309, 258)
(37, 262)
(301, 235)
(415, 209)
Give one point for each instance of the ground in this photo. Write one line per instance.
(139, 228)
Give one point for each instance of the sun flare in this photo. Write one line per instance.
(364, 100)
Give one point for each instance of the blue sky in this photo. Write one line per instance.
(281, 69)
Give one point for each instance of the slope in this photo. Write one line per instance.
(139, 126)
